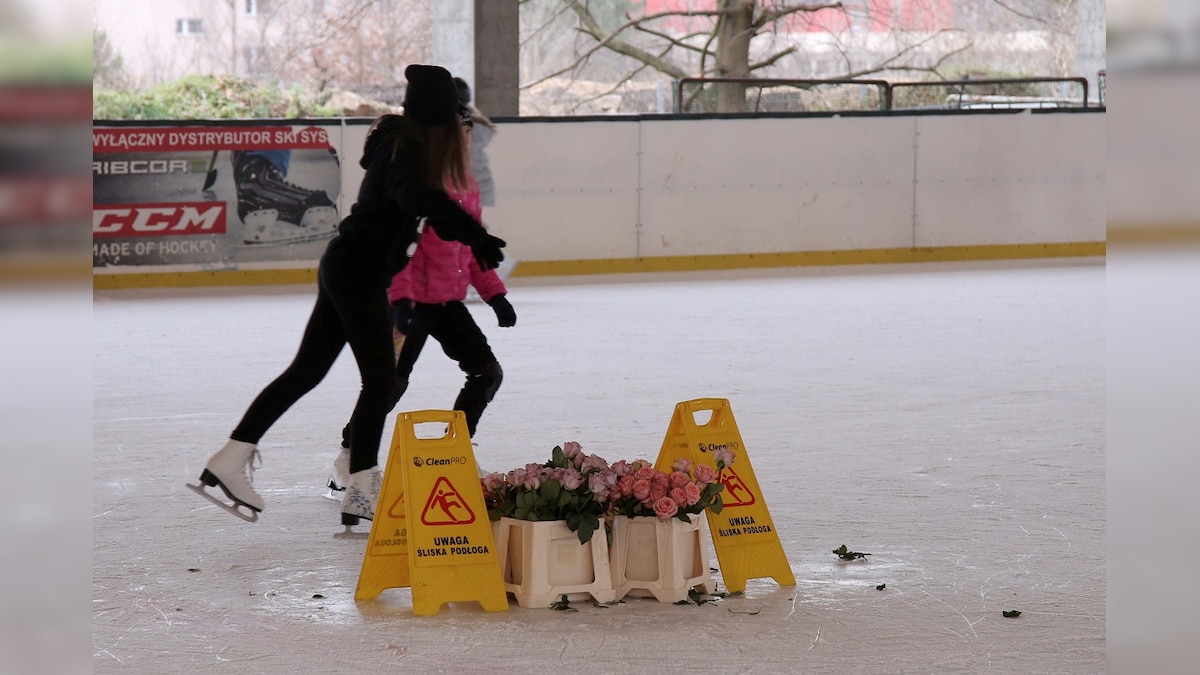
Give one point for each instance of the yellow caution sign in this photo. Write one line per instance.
(451, 554)
(744, 536)
(385, 564)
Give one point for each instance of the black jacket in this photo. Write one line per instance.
(373, 242)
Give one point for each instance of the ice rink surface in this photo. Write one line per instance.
(949, 419)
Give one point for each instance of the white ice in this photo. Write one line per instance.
(946, 418)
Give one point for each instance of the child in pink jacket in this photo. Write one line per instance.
(427, 301)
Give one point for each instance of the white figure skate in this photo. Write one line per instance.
(339, 476)
(232, 470)
(361, 496)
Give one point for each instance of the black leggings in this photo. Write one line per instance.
(452, 325)
(348, 311)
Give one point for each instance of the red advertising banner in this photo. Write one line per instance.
(214, 196)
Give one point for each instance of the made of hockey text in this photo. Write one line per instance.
(120, 249)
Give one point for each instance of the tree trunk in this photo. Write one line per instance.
(733, 52)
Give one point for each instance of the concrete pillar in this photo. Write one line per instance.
(477, 40)
(1090, 43)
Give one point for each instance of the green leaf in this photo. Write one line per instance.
(587, 527)
(563, 604)
(1011, 613)
(846, 554)
(549, 490)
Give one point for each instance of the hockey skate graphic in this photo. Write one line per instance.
(250, 514)
(275, 211)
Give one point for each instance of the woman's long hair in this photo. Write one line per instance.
(448, 163)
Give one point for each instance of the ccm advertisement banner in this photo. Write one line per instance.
(212, 197)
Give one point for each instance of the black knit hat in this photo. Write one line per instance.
(464, 90)
(430, 99)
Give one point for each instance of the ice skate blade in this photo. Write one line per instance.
(264, 228)
(335, 495)
(250, 517)
(350, 533)
(349, 519)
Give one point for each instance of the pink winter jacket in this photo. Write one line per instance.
(441, 270)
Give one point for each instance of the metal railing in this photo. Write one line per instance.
(956, 96)
(729, 94)
(733, 95)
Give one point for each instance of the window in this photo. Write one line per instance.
(189, 27)
(257, 7)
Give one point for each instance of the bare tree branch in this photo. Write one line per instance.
(771, 15)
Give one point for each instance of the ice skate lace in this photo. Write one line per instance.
(273, 175)
(254, 462)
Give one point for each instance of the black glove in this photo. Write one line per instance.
(505, 314)
(487, 251)
(402, 315)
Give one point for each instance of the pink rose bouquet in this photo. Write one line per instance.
(585, 490)
(687, 489)
(568, 488)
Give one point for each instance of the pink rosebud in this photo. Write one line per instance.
(493, 482)
(665, 508)
(692, 494)
(572, 450)
(645, 473)
(570, 479)
(626, 486)
(723, 457)
(593, 463)
(682, 464)
(679, 479)
(705, 474)
(599, 486)
(532, 480)
(658, 491)
(641, 489)
(678, 496)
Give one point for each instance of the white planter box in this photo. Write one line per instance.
(660, 558)
(541, 561)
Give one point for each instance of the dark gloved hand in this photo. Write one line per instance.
(402, 315)
(487, 251)
(505, 314)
